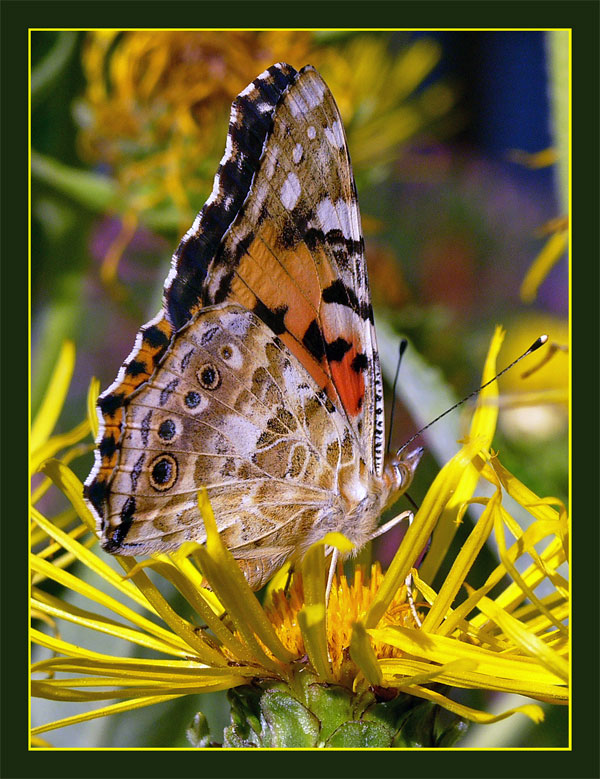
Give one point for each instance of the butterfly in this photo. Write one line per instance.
(259, 379)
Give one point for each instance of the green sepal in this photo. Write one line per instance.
(361, 734)
(311, 713)
(287, 723)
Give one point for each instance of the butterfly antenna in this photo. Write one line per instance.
(401, 350)
(534, 346)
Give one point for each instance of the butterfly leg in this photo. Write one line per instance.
(408, 581)
(409, 592)
(288, 580)
(392, 523)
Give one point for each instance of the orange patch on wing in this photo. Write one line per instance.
(146, 356)
(280, 277)
(349, 383)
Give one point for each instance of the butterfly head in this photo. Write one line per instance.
(399, 470)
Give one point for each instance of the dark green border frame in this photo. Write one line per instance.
(17, 15)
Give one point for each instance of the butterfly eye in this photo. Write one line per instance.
(163, 472)
(209, 376)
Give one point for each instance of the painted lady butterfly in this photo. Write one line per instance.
(260, 377)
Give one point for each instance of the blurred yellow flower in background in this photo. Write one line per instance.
(536, 402)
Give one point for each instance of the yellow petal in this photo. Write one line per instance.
(459, 673)
(54, 398)
(105, 711)
(180, 627)
(419, 531)
(171, 640)
(65, 480)
(442, 650)
(363, 655)
(53, 445)
(486, 414)
(525, 639)
(92, 413)
(461, 566)
(128, 668)
(550, 254)
(89, 559)
(311, 621)
(474, 715)
(63, 610)
(198, 598)
(432, 673)
(483, 424)
(36, 741)
(512, 570)
(60, 690)
(311, 618)
(230, 585)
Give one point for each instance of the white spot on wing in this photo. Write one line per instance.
(228, 148)
(297, 153)
(297, 106)
(271, 162)
(290, 191)
(335, 135)
(248, 90)
(337, 216)
(311, 132)
(314, 93)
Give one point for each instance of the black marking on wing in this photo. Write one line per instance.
(273, 318)
(107, 446)
(338, 292)
(110, 403)
(114, 542)
(166, 391)
(250, 125)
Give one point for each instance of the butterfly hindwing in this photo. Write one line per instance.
(233, 410)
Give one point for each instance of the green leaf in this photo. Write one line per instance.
(418, 727)
(198, 732)
(452, 734)
(47, 72)
(91, 190)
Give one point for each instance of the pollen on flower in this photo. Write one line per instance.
(349, 601)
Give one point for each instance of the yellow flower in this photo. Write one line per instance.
(535, 402)
(348, 672)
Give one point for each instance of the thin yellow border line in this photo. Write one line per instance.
(29, 357)
(570, 268)
(301, 29)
